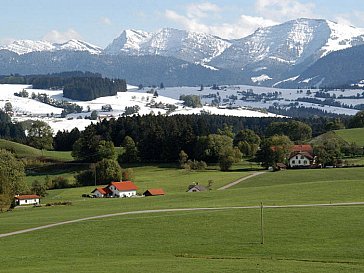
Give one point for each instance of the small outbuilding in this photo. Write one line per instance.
(196, 188)
(100, 192)
(154, 192)
(30, 199)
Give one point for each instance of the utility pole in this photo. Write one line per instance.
(94, 168)
(261, 224)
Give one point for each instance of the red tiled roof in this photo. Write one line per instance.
(124, 186)
(302, 148)
(102, 190)
(155, 192)
(295, 148)
(25, 197)
(305, 154)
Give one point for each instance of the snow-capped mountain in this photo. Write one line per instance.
(129, 42)
(291, 43)
(282, 51)
(269, 56)
(28, 46)
(189, 46)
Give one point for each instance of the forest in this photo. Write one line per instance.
(76, 85)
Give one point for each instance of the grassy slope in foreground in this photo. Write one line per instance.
(355, 135)
(296, 240)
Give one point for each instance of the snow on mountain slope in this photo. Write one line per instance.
(342, 37)
(291, 43)
(185, 45)
(77, 45)
(26, 46)
(129, 42)
(29, 109)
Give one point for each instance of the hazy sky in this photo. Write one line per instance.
(101, 21)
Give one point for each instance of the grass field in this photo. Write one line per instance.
(320, 239)
(29, 152)
(355, 135)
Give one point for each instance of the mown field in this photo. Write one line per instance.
(315, 239)
(355, 135)
(24, 151)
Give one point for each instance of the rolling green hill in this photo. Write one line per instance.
(355, 135)
(312, 239)
(24, 151)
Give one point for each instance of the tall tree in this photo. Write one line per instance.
(91, 148)
(296, 130)
(274, 150)
(227, 156)
(131, 153)
(12, 178)
(40, 135)
(247, 141)
(108, 170)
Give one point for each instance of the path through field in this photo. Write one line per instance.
(174, 210)
(240, 180)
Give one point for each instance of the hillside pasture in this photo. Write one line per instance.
(312, 239)
(25, 151)
(307, 240)
(355, 135)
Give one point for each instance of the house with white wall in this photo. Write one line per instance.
(117, 189)
(301, 160)
(101, 192)
(30, 199)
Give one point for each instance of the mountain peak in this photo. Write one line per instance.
(27, 46)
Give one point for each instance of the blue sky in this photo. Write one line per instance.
(100, 21)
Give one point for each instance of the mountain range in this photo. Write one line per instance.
(291, 54)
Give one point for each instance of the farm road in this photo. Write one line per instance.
(174, 210)
(240, 180)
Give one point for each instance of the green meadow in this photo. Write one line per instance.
(355, 135)
(313, 239)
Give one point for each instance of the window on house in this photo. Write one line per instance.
(302, 157)
(305, 162)
(299, 161)
(293, 161)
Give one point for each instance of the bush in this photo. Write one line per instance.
(60, 182)
(195, 165)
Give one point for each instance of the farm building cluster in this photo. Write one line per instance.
(123, 189)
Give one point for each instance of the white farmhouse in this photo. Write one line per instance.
(300, 160)
(122, 189)
(116, 189)
(21, 200)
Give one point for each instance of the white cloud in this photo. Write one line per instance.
(355, 18)
(192, 21)
(283, 10)
(202, 10)
(105, 21)
(6, 41)
(56, 36)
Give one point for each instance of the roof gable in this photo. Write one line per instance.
(302, 148)
(102, 190)
(305, 154)
(28, 196)
(155, 192)
(124, 186)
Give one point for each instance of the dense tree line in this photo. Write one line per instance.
(9, 130)
(91, 88)
(76, 85)
(161, 138)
